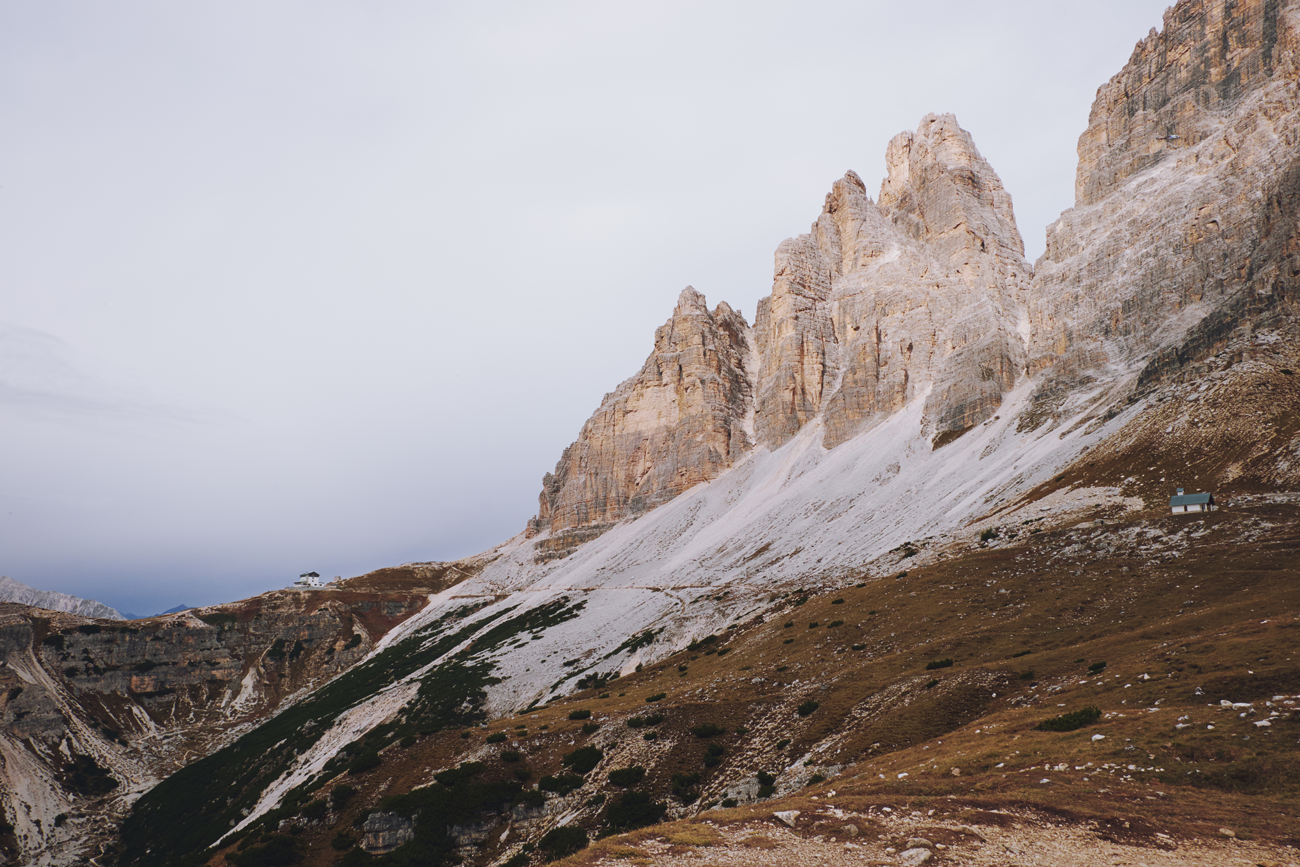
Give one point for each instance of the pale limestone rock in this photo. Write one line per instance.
(678, 422)
(1184, 227)
(880, 302)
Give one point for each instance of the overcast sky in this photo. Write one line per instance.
(329, 286)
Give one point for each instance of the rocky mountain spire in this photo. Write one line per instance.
(680, 421)
(878, 305)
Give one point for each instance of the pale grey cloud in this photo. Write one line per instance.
(389, 256)
(40, 378)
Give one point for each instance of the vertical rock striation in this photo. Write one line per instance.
(1183, 173)
(879, 304)
(680, 421)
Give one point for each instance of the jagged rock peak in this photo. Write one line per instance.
(681, 420)
(940, 190)
(883, 300)
(1175, 241)
(1206, 58)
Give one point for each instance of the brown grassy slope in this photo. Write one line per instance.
(1204, 606)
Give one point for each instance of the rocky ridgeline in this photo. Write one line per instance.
(678, 422)
(879, 303)
(94, 710)
(1183, 236)
(1183, 232)
(16, 591)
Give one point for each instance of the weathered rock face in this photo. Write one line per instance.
(884, 301)
(1184, 232)
(680, 421)
(878, 304)
(92, 709)
(1184, 225)
(16, 591)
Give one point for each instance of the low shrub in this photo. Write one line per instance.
(580, 714)
(590, 728)
(511, 756)
(583, 759)
(807, 707)
(562, 842)
(634, 810)
(367, 761)
(658, 696)
(1068, 722)
(938, 663)
(1097, 668)
(496, 738)
(707, 730)
(652, 719)
(932, 684)
(627, 777)
(342, 794)
(560, 785)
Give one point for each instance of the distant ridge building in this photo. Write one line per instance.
(308, 579)
(1180, 503)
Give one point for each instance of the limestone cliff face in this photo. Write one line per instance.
(1181, 229)
(1184, 232)
(680, 421)
(880, 302)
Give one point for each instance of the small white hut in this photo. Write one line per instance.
(1180, 503)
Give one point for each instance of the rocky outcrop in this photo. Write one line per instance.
(680, 421)
(16, 591)
(93, 708)
(877, 305)
(1184, 227)
(881, 302)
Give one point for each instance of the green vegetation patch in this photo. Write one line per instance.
(562, 842)
(627, 777)
(634, 809)
(1068, 722)
(583, 760)
(175, 822)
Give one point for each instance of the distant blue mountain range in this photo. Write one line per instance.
(179, 608)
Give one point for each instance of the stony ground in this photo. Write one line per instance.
(829, 837)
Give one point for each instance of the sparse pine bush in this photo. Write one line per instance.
(562, 842)
(583, 760)
(626, 777)
(707, 730)
(580, 714)
(496, 738)
(938, 663)
(634, 810)
(1068, 722)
